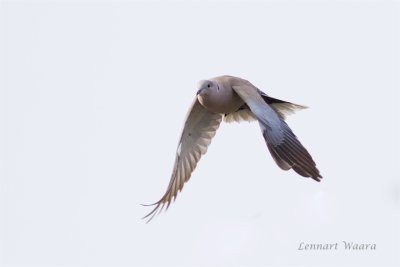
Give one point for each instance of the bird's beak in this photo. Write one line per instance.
(199, 92)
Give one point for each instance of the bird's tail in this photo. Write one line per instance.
(283, 108)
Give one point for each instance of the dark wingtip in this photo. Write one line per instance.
(317, 177)
(148, 205)
(159, 206)
(150, 215)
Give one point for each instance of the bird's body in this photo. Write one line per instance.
(225, 100)
(235, 99)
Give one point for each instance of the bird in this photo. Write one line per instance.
(233, 99)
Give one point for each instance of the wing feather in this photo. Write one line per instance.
(282, 143)
(241, 115)
(200, 127)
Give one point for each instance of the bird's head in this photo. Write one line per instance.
(207, 88)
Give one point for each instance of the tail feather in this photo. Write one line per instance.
(283, 108)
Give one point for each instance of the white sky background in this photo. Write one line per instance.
(93, 97)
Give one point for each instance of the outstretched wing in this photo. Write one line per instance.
(200, 127)
(282, 143)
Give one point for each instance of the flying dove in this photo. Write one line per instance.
(230, 99)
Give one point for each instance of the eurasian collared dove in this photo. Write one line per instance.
(235, 99)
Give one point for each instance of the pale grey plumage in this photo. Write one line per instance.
(200, 127)
(235, 99)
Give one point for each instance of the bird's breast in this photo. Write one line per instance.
(223, 101)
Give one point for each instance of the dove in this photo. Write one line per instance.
(233, 99)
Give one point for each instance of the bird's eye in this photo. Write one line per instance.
(208, 85)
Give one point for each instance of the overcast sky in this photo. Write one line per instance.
(93, 97)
